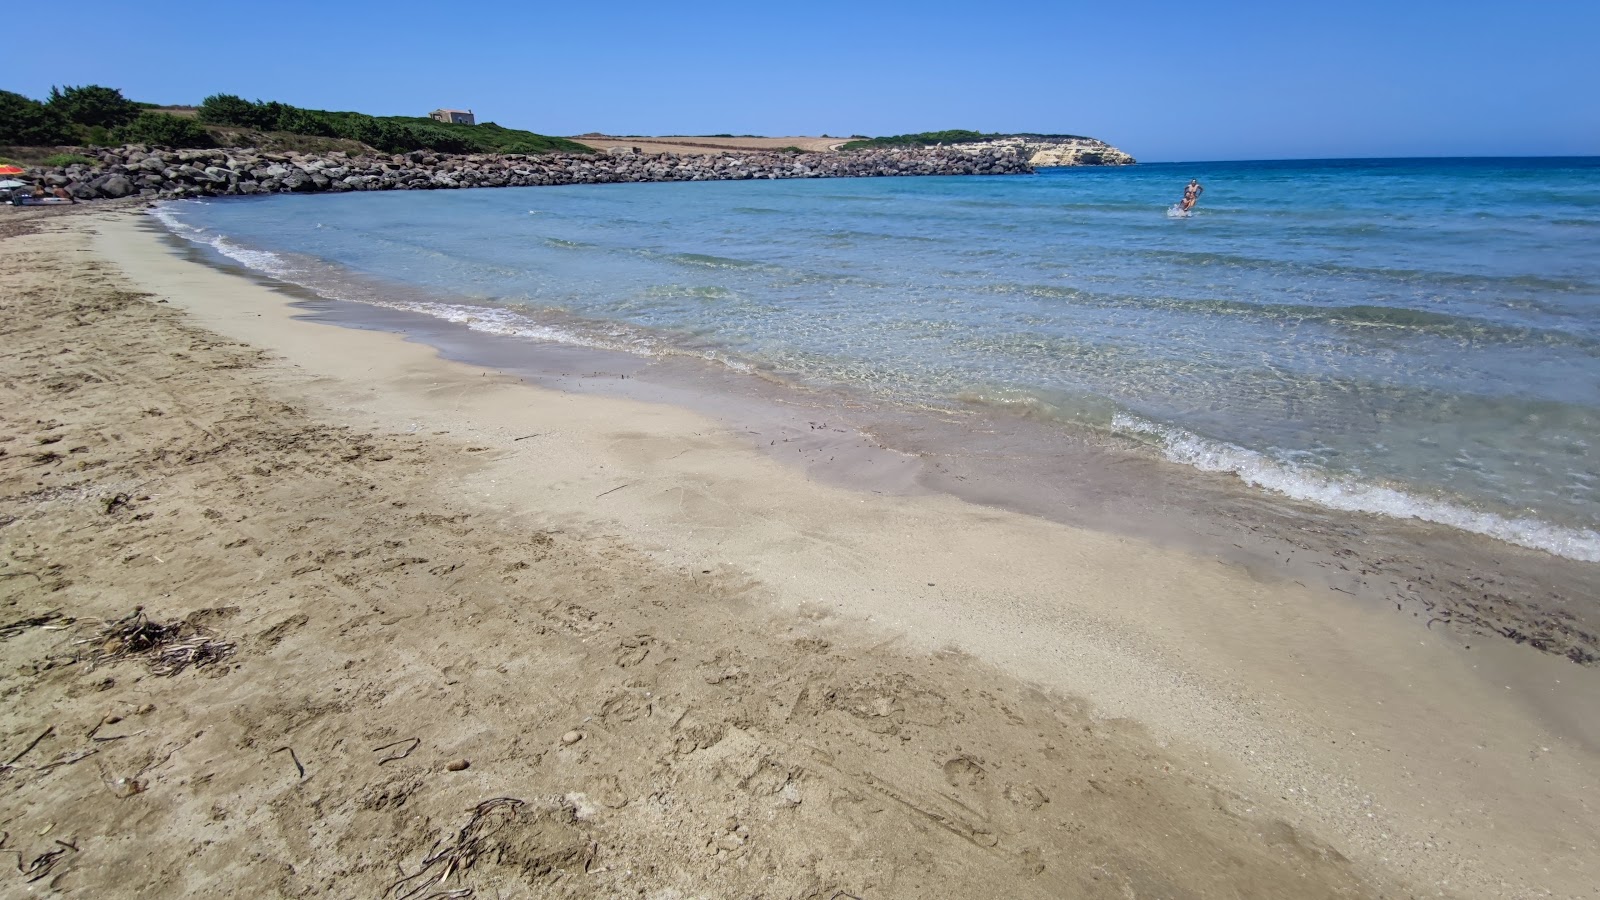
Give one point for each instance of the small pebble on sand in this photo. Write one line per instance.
(572, 737)
(457, 765)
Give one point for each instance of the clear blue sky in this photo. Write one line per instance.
(1162, 80)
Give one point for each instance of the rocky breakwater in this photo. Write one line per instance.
(1044, 150)
(162, 174)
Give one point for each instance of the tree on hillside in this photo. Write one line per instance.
(29, 123)
(93, 104)
(228, 109)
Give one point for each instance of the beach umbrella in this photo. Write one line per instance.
(11, 170)
(10, 183)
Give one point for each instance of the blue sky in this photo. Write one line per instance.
(1162, 80)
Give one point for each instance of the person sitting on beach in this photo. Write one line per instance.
(1191, 194)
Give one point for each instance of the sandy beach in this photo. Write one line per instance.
(479, 637)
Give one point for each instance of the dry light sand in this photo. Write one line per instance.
(673, 666)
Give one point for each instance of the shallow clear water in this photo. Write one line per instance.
(1409, 337)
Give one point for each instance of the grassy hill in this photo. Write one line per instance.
(954, 136)
(93, 115)
(391, 134)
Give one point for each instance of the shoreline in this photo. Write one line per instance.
(1475, 585)
(1394, 749)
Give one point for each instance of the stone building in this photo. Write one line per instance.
(454, 116)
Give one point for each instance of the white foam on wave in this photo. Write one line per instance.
(485, 319)
(503, 322)
(260, 260)
(509, 323)
(1350, 495)
(169, 215)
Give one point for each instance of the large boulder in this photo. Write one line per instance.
(113, 186)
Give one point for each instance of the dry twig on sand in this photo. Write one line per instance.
(294, 758)
(488, 817)
(15, 628)
(43, 863)
(414, 742)
(168, 649)
(12, 762)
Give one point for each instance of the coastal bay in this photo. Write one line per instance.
(759, 668)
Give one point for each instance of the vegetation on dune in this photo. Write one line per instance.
(165, 130)
(93, 105)
(953, 136)
(95, 115)
(29, 123)
(283, 141)
(57, 160)
(391, 134)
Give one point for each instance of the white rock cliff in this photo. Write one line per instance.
(1042, 150)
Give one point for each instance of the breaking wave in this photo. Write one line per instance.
(1349, 495)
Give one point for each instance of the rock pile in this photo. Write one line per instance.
(137, 171)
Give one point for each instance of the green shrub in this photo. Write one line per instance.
(60, 160)
(389, 134)
(100, 136)
(29, 123)
(227, 109)
(306, 121)
(93, 104)
(163, 130)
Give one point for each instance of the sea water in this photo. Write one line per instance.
(1413, 338)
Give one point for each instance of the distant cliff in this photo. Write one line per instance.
(1052, 150)
(1038, 149)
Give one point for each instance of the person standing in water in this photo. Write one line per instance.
(1191, 194)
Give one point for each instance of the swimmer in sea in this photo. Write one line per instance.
(1191, 194)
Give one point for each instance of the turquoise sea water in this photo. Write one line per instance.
(1406, 337)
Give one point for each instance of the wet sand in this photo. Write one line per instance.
(779, 680)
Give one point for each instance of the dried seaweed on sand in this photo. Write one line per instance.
(167, 648)
(41, 864)
(458, 855)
